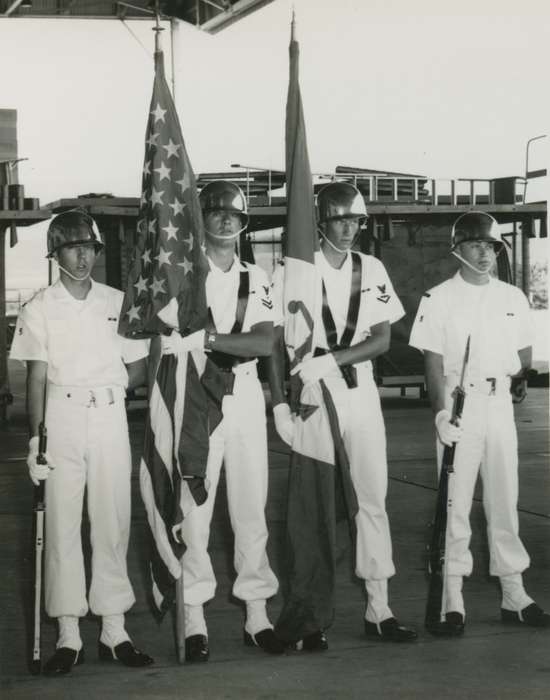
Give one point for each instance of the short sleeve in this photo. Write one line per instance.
(260, 303)
(134, 349)
(30, 341)
(277, 292)
(385, 304)
(427, 329)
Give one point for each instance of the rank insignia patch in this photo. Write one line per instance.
(384, 298)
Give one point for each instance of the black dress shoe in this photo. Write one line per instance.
(316, 641)
(389, 630)
(196, 648)
(452, 626)
(126, 653)
(62, 661)
(532, 615)
(266, 640)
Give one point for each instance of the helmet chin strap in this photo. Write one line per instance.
(77, 279)
(469, 264)
(226, 238)
(331, 244)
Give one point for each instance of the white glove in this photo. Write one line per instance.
(174, 343)
(446, 431)
(37, 472)
(316, 368)
(284, 423)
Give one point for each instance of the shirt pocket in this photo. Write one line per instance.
(60, 342)
(107, 341)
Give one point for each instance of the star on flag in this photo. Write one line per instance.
(141, 285)
(159, 113)
(171, 231)
(163, 172)
(171, 149)
(187, 266)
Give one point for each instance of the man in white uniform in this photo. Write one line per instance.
(352, 327)
(67, 334)
(240, 331)
(495, 316)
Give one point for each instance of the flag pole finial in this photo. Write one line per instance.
(157, 28)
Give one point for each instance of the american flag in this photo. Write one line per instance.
(166, 282)
(166, 289)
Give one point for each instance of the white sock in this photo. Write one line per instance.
(194, 620)
(256, 617)
(69, 633)
(514, 596)
(112, 630)
(378, 609)
(453, 600)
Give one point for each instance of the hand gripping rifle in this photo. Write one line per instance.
(436, 557)
(39, 514)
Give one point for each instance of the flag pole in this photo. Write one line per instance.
(157, 28)
(180, 600)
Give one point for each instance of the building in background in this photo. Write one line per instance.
(409, 229)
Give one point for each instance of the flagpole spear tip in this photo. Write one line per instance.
(157, 28)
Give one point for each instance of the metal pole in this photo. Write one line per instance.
(4, 389)
(535, 138)
(527, 229)
(515, 254)
(174, 36)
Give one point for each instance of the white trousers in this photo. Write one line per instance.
(488, 446)
(240, 442)
(364, 436)
(90, 449)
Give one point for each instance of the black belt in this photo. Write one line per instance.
(349, 373)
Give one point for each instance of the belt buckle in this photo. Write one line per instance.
(493, 385)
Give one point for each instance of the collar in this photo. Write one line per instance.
(235, 268)
(459, 280)
(61, 293)
(327, 268)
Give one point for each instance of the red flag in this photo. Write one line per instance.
(317, 448)
(166, 290)
(301, 233)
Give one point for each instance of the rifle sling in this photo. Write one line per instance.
(348, 372)
(222, 360)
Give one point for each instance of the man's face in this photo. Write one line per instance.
(480, 254)
(342, 232)
(78, 259)
(222, 223)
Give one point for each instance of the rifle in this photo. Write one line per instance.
(39, 514)
(436, 557)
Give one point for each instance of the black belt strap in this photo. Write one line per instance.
(348, 372)
(353, 309)
(221, 359)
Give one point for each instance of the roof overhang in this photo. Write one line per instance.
(209, 15)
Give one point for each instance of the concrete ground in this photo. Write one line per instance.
(491, 661)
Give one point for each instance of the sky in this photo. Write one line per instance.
(440, 88)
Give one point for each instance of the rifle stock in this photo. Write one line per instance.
(436, 550)
(39, 511)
